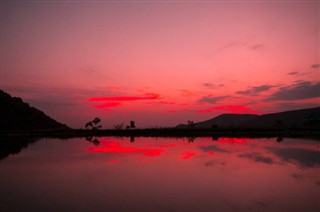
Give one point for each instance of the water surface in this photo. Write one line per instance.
(161, 174)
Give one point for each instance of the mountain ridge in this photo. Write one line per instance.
(291, 118)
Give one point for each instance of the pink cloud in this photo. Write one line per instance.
(187, 155)
(107, 105)
(187, 93)
(148, 96)
(167, 103)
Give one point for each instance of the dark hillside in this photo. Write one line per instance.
(289, 119)
(224, 120)
(294, 118)
(15, 115)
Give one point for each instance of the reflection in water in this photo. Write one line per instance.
(191, 139)
(92, 139)
(257, 157)
(162, 174)
(187, 155)
(115, 148)
(304, 157)
(13, 145)
(279, 139)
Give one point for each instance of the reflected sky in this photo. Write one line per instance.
(162, 174)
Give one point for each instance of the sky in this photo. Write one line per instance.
(160, 63)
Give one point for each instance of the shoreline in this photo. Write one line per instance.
(167, 132)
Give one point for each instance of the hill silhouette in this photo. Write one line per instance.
(224, 120)
(294, 118)
(16, 115)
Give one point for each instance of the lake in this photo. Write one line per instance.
(160, 174)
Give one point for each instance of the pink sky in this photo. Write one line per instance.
(160, 63)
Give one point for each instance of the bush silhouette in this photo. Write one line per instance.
(93, 124)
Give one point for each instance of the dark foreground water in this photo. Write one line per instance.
(160, 174)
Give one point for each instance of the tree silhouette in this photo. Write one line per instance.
(88, 124)
(118, 126)
(94, 124)
(191, 124)
(132, 125)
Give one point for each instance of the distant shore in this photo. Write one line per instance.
(170, 132)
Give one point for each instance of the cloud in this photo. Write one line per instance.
(229, 108)
(107, 105)
(213, 148)
(187, 93)
(253, 91)
(304, 157)
(256, 47)
(257, 157)
(315, 65)
(301, 90)
(210, 85)
(166, 103)
(212, 100)
(227, 46)
(293, 73)
(148, 96)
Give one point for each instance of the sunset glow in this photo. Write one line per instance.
(160, 63)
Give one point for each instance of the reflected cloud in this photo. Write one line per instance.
(304, 157)
(254, 205)
(234, 140)
(213, 148)
(187, 155)
(297, 176)
(116, 148)
(257, 157)
(215, 162)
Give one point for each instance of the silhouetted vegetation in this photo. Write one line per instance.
(118, 126)
(190, 124)
(93, 124)
(131, 126)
